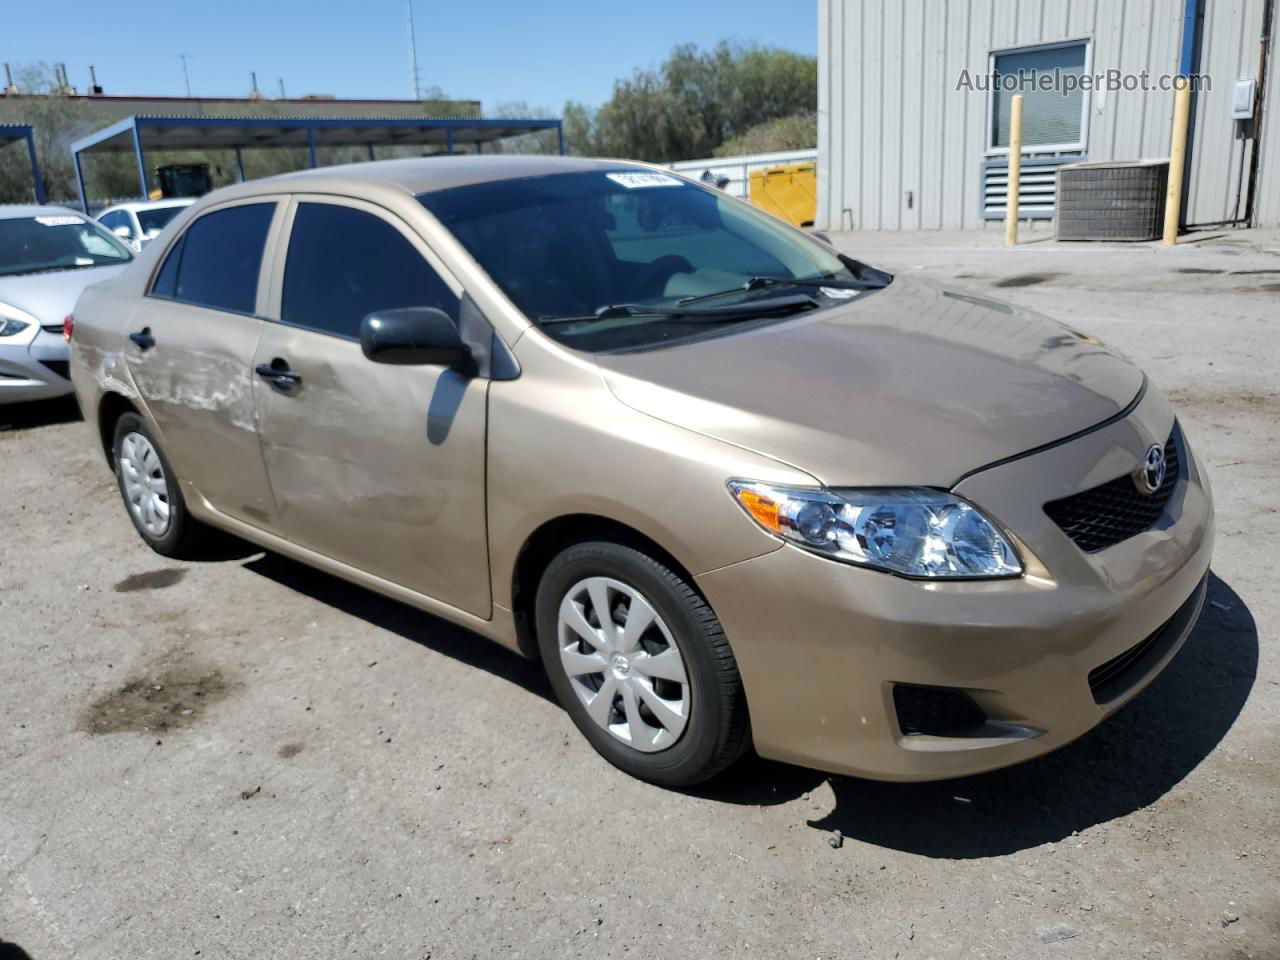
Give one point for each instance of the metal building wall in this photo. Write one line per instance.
(1230, 49)
(901, 148)
(1267, 202)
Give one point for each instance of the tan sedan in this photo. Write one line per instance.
(734, 488)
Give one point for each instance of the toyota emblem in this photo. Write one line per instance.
(1151, 476)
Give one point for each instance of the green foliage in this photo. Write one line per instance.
(694, 102)
(56, 122)
(543, 141)
(799, 132)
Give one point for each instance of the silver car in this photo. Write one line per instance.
(48, 255)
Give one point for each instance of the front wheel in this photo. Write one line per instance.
(641, 664)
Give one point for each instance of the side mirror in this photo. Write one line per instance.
(412, 335)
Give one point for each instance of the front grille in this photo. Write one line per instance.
(935, 711)
(61, 367)
(1117, 676)
(1117, 510)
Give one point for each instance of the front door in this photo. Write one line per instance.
(379, 466)
(190, 352)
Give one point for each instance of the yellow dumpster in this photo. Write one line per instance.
(788, 192)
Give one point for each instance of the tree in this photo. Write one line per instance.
(579, 125)
(56, 122)
(694, 102)
(541, 141)
(797, 132)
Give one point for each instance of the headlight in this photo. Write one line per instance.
(912, 531)
(13, 320)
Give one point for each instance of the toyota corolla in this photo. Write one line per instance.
(734, 488)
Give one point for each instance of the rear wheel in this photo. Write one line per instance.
(641, 664)
(151, 493)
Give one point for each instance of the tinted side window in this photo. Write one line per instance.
(166, 282)
(344, 264)
(221, 257)
(117, 218)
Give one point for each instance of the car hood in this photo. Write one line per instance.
(911, 384)
(50, 296)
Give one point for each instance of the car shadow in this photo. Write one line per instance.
(38, 413)
(422, 628)
(1123, 765)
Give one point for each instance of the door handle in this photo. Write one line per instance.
(278, 374)
(143, 339)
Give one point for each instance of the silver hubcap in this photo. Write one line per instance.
(145, 488)
(623, 664)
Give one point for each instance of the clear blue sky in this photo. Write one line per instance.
(543, 53)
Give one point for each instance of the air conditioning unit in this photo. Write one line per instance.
(1112, 200)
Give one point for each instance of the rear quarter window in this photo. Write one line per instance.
(166, 282)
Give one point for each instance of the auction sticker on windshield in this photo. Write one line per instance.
(634, 181)
(60, 221)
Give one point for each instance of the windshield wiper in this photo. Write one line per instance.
(762, 283)
(616, 310)
(736, 311)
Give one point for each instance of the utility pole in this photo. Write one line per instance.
(283, 95)
(186, 74)
(413, 52)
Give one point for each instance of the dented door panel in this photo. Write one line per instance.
(381, 467)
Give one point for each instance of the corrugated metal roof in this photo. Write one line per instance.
(9, 132)
(166, 132)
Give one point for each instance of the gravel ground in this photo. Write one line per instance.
(245, 758)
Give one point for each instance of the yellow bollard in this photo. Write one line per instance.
(1177, 160)
(1015, 173)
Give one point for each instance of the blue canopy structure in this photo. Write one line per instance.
(12, 133)
(138, 134)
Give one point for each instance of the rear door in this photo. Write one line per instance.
(190, 351)
(379, 466)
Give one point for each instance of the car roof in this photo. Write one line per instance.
(24, 211)
(418, 175)
(136, 205)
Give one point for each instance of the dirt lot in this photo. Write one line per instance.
(245, 758)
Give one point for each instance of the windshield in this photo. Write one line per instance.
(153, 220)
(566, 247)
(56, 241)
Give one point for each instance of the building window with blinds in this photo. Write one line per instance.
(1054, 99)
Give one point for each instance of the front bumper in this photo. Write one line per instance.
(821, 645)
(34, 370)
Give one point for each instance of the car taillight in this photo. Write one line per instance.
(68, 325)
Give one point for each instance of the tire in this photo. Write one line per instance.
(139, 474)
(670, 720)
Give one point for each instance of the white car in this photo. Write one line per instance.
(48, 255)
(138, 223)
